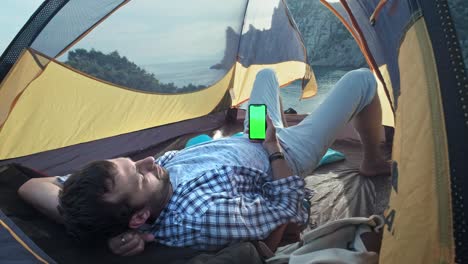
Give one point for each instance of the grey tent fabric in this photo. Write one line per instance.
(340, 191)
(17, 247)
(241, 253)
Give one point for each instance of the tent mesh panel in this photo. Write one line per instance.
(454, 90)
(75, 18)
(28, 33)
(459, 182)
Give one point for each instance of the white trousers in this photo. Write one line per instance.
(305, 143)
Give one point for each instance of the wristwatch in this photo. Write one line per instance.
(275, 156)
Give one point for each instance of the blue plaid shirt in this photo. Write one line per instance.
(228, 204)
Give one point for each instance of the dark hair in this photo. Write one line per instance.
(88, 218)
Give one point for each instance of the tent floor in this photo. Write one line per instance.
(339, 192)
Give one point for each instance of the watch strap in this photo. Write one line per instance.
(275, 156)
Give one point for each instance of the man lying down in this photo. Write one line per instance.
(214, 193)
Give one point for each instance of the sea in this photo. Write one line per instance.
(199, 73)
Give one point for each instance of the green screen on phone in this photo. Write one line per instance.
(257, 121)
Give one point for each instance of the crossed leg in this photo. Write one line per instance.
(266, 91)
(368, 123)
(353, 96)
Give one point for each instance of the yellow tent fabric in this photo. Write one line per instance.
(418, 228)
(59, 108)
(46, 105)
(16, 81)
(388, 119)
(285, 72)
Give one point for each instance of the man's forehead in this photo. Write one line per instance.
(123, 167)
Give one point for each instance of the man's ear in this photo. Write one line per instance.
(139, 218)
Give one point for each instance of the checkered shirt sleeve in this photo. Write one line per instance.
(229, 204)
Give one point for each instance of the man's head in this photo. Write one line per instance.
(105, 198)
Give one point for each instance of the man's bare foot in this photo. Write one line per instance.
(375, 167)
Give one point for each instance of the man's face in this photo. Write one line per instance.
(142, 184)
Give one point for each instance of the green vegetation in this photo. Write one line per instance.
(459, 12)
(119, 70)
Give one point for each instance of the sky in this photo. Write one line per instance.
(14, 15)
(174, 33)
(177, 33)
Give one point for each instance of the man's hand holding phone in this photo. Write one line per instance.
(271, 143)
(264, 130)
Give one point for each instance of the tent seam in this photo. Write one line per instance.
(22, 242)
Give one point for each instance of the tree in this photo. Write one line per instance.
(119, 70)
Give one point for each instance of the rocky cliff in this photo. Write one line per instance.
(263, 46)
(328, 42)
(459, 12)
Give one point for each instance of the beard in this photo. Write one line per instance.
(161, 197)
(165, 176)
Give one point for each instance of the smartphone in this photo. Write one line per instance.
(257, 121)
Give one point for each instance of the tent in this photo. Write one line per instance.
(67, 96)
(414, 49)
